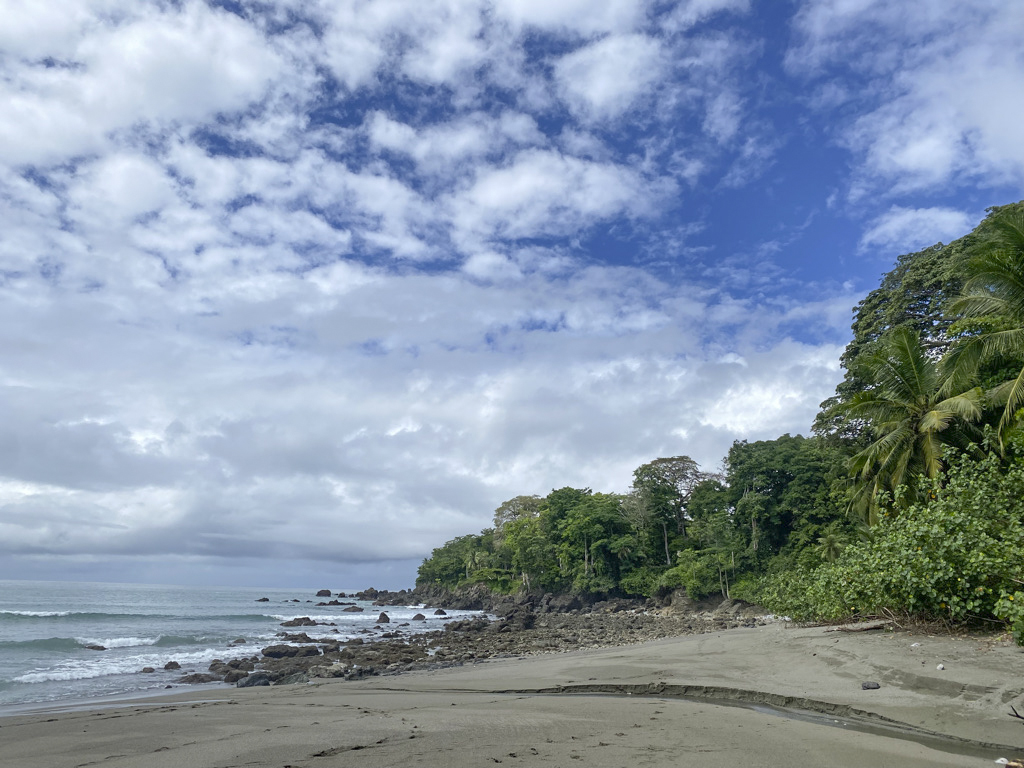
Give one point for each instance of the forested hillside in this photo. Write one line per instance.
(908, 497)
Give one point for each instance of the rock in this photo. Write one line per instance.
(298, 637)
(383, 618)
(147, 670)
(301, 621)
(292, 679)
(238, 641)
(440, 612)
(198, 677)
(96, 647)
(324, 593)
(419, 617)
(353, 609)
(289, 651)
(172, 665)
(263, 600)
(328, 671)
(870, 686)
(235, 675)
(257, 678)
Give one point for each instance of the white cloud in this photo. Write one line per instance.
(946, 104)
(544, 193)
(176, 66)
(604, 79)
(582, 17)
(903, 230)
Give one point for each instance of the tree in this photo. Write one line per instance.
(909, 420)
(992, 304)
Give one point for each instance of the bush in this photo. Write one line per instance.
(642, 581)
(955, 556)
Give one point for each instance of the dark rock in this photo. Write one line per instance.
(440, 612)
(198, 677)
(172, 665)
(324, 593)
(353, 609)
(263, 600)
(95, 647)
(238, 641)
(289, 651)
(383, 618)
(870, 686)
(235, 675)
(301, 621)
(246, 665)
(419, 617)
(292, 679)
(296, 637)
(257, 678)
(147, 670)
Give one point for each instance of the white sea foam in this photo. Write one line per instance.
(42, 614)
(123, 665)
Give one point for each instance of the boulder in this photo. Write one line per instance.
(328, 671)
(289, 651)
(258, 678)
(263, 600)
(324, 593)
(296, 637)
(198, 677)
(301, 621)
(238, 641)
(419, 617)
(147, 670)
(352, 609)
(172, 665)
(235, 675)
(96, 647)
(383, 618)
(440, 612)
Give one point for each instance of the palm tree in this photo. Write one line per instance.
(910, 420)
(993, 297)
(831, 542)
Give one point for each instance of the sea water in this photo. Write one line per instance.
(46, 628)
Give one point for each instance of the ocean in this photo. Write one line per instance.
(46, 628)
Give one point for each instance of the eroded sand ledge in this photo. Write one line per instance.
(667, 709)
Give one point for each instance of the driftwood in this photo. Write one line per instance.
(862, 627)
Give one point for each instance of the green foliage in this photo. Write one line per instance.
(955, 555)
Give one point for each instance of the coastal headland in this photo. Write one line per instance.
(716, 688)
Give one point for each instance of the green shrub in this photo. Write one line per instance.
(955, 556)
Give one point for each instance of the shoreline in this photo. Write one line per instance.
(659, 699)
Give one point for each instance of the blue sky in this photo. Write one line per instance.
(293, 292)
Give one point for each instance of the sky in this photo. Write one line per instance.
(294, 291)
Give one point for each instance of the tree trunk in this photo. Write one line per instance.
(664, 530)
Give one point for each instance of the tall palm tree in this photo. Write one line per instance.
(993, 297)
(909, 418)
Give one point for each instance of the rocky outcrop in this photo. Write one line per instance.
(289, 651)
(301, 621)
(324, 593)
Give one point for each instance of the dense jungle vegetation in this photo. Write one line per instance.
(907, 498)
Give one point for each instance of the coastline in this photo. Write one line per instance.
(653, 703)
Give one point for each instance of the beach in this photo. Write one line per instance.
(768, 695)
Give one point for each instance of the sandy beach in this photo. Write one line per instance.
(772, 695)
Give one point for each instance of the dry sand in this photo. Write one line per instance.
(612, 707)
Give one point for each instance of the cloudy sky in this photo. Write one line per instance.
(293, 291)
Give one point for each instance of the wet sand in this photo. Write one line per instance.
(768, 696)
